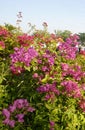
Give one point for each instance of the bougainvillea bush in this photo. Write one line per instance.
(42, 81)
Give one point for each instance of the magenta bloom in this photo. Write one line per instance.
(35, 75)
(2, 45)
(25, 40)
(12, 123)
(82, 105)
(50, 90)
(68, 49)
(51, 60)
(22, 56)
(20, 117)
(31, 109)
(64, 66)
(9, 122)
(6, 121)
(47, 96)
(13, 111)
(45, 68)
(3, 32)
(6, 113)
(12, 108)
(71, 88)
(20, 103)
(52, 123)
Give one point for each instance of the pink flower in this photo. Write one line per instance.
(64, 66)
(31, 109)
(68, 49)
(2, 45)
(12, 108)
(83, 86)
(35, 75)
(22, 56)
(82, 104)
(47, 96)
(19, 105)
(12, 123)
(77, 93)
(51, 60)
(71, 88)
(52, 123)
(45, 68)
(25, 40)
(9, 122)
(20, 117)
(3, 32)
(6, 121)
(6, 113)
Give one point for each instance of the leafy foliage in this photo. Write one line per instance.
(42, 84)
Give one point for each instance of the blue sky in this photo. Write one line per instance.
(59, 14)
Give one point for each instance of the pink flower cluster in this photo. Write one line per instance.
(49, 56)
(52, 124)
(71, 88)
(2, 45)
(3, 32)
(82, 104)
(68, 49)
(22, 57)
(74, 71)
(82, 52)
(45, 63)
(44, 67)
(17, 111)
(49, 89)
(26, 40)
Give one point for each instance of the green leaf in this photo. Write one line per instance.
(27, 68)
(55, 111)
(45, 79)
